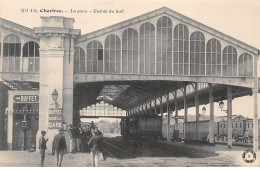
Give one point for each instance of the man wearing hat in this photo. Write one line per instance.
(59, 147)
(95, 145)
(42, 146)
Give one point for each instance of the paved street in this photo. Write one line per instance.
(221, 158)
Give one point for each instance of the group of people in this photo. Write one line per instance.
(92, 139)
(235, 136)
(79, 137)
(245, 138)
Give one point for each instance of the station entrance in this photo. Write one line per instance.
(155, 106)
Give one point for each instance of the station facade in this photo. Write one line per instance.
(135, 65)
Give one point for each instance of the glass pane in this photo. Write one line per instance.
(31, 63)
(107, 67)
(25, 64)
(130, 67)
(6, 46)
(17, 50)
(17, 64)
(25, 50)
(100, 66)
(95, 69)
(37, 65)
(89, 66)
(11, 49)
(112, 67)
(124, 67)
(5, 64)
(11, 64)
(31, 49)
(82, 66)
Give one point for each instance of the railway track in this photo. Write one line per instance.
(115, 148)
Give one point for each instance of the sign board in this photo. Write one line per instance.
(26, 98)
(55, 118)
(24, 125)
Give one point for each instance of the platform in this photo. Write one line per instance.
(164, 155)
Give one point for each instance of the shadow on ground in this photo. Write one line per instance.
(148, 149)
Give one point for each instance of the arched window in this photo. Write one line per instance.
(181, 50)
(213, 59)
(197, 53)
(112, 54)
(147, 48)
(79, 60)
(12, 53)
(95, 57)
(31, 60)
(130, 51)
(164, 46)
(245, 65)
(229, 61)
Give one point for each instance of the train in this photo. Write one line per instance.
(141, 128)
(151, 128)
(239, 126)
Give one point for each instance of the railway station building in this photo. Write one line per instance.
(143, 68)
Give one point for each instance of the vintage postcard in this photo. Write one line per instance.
(122, 83)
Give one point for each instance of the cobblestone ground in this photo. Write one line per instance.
(25, 159)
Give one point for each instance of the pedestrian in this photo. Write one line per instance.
(42, 146)
(78, 141)
(59, 147)
(83, 137)
(95, 145)
(246, 136)
(71, 132)
(81, 140)
(100, 134)
(89, 135)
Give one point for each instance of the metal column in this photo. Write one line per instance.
(255, 119)
(176, 110)
(229, 116)
(161, 112)
(185, 110)
(211, 122)
(185, 106)
(168, 119)
(197, 108)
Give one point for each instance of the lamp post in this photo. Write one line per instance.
(55, 97)
(221, 106)
(229, 123)
(64, 126)
(203, 109)
(203, 113)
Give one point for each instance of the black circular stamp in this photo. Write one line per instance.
(249, 156)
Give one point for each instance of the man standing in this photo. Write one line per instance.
(72, 139)
(246, 136)
(99, 132)
(95, 145)
(235, 135)
(59, 147)
(42, 147)
(89, 135)
(78, 142)
(83, 137)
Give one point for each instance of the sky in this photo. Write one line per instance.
(239, 19)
